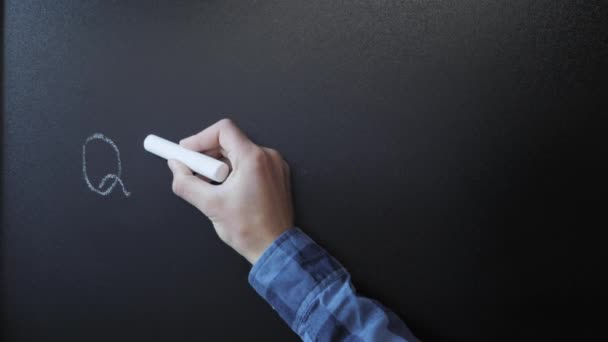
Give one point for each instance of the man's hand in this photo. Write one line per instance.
(253, 206)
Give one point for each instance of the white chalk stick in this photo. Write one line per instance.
(197, 162)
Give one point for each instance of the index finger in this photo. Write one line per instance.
(223, 135)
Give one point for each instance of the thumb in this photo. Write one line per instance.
(189, 187)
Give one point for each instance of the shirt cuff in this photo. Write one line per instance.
(291, 272)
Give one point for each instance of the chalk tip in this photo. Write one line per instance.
(147, 141)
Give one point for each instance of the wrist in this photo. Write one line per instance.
(255, 252)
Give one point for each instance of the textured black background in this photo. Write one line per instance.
(444, 151)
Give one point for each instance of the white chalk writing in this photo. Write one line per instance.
(110, 176)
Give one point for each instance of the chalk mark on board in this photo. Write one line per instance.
(114, 176)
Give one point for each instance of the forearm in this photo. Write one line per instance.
(312, 292)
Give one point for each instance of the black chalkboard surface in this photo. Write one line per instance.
(441, 150)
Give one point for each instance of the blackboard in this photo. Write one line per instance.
(442, 150)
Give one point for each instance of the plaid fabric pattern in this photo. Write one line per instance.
(312, 292)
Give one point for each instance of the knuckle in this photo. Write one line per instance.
(226, 122)
(258, 155)
(274, 153)
(178, 186)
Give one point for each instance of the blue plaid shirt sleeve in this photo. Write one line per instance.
(313, 293)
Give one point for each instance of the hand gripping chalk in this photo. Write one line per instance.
(197, 162)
